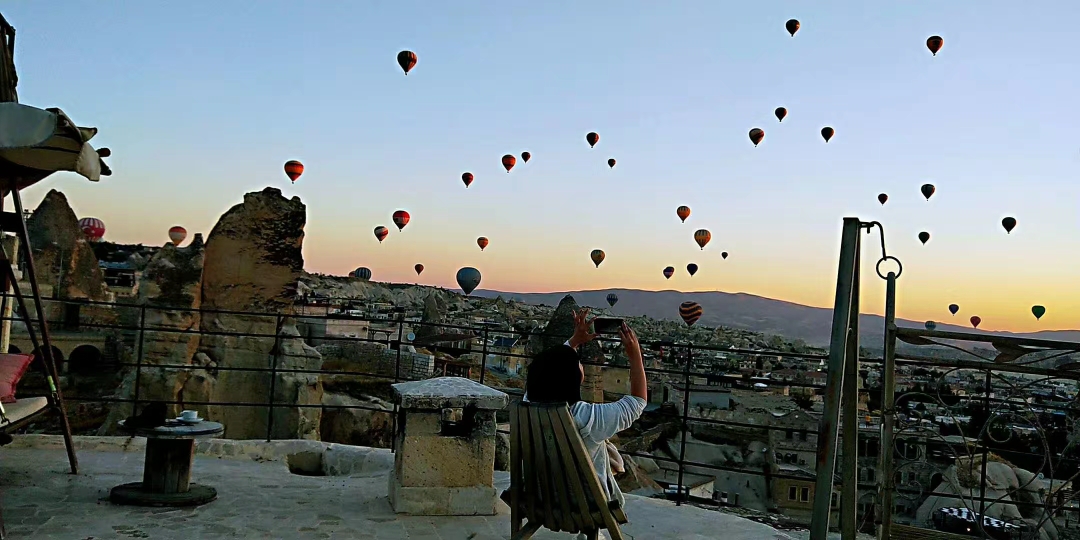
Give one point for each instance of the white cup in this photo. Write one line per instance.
(189, 415)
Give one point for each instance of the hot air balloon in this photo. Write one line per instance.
(723, 254)
(419, 268)
(597, 257)
(406, 59)
(468, 278)
(975, 320)
(93, 228)
(1009, 223)
(827, 133)
(482, 242)
(612, 299)
(361, 273)
(293, 169)
(467, 178)
(924, 237)
(702, 237)
(756, 135)
(691, 269)
(780, 113)
(927, 190)
(508, 161)
(611, 163)
(381, 232)
(881, 198)
(934, 43)
(177, 235)
(525, 157)
(683, 212)
(953, 308)
(930, 325)
(1038, 311)
(792, 26)
(668, 272)
(690, 312)
(401, 219)
(592, 138)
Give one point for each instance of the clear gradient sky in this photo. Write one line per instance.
(203, 101)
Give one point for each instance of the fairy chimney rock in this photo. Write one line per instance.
(62, 254)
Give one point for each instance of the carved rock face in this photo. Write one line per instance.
(62, 252)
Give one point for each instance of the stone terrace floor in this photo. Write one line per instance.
(262, 499)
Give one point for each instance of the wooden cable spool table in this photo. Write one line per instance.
(170, 451)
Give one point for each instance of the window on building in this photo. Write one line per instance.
(803, 435)
(835, 501)
(789, 435)
(792, 493)
(911, 477)
(870, 475)
(804, 495)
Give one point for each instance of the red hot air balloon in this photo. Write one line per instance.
(1009, 223)
(467, 178)
(792, 26)
(525, 157)
(928, 190)
(293, 169)
(881, 198)
(407, 60)
(611, 163)
(401, 219)
(827, 133)
(419, 268)
(381, 232)
(690, 312)
(683, 212)
(177, 235)
(780, 113)
(756, 135)
(934, 43)
(592, 138)
(93, 228)
(702, 237)
(668, 272)
(482, 242)
(509, 161)
(975, 320)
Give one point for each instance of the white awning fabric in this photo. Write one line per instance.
(35, 143)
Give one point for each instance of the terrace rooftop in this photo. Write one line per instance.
(258, 497)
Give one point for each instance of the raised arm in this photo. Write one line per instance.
(639, 387)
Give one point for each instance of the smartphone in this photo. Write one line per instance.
(607, 325)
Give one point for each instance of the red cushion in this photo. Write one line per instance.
(12, 368)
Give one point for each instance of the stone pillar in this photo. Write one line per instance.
(445, 440)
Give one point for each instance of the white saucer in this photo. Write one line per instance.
(189, 422)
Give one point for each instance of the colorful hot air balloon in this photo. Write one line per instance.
(419, 268)
(691, 269)
(467, 178)
(924, 237)
(975, 320)
(780, 113)
(934, 43)
(592, 138)
(1038, 311)
(683, 212)
(177, 235)
(468, 278)
(361, 273)
(93, 228)
(482, 242)
(525, 157)
(881, 198)
(508, 161)
(381, 232)
(953, 308)
(401, 219)
(611, 163)
(612, 299)
(293, 169)
(723, 254)
(927, 190)
(407, 60)
(792, 26)
(1009, 223)
(668, 272)
(756, 135)
(702, 237)
(827, 133)
(597, 257)
(690, 312)
(930, 325)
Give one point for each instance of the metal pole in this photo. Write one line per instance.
(827, 426)
(685, 427)
(484, 353)
(275, 356)
(888, 413)
(139, 359)
(849, 494)
(400, 333)
(986, 451)
(397, 370)
(7, 304)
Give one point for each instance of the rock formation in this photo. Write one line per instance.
(558, 330)
(62, 254)
(433, 315)
(371, 425)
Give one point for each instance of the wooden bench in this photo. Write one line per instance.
(552, 479)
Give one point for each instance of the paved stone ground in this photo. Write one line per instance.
(256, 499)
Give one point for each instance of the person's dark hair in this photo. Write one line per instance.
(554, 376)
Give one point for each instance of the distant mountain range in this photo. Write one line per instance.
(747, 312)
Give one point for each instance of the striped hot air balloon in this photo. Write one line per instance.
(93, 228)
(361, 273)
(669, 271)
(612, 299)
(597, 257)
(690, 312)
(381, 232)
(177, 235)
(293, 169)
(702, 237)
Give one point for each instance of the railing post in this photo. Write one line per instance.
(484, 355)
(400, 335)
(986, 450)
(139, 359)
(849, 492)
(685, 427)
(397, 370)
(888, 413)
(275, 355)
